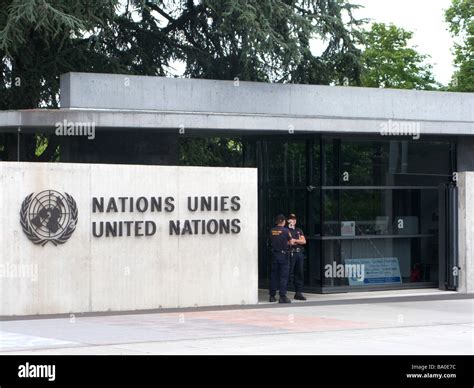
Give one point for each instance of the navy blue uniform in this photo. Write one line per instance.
(296, 262)
(279, 237)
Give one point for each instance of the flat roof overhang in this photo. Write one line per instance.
(46, 120)
(115, 101)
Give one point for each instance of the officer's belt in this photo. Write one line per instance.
(284, 252)
(297, 250)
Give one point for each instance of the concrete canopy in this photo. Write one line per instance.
(113, 101)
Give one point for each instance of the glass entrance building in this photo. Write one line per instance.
(356, 197)
(363, 196)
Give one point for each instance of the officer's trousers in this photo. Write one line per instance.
(296, 271)
(279, 273)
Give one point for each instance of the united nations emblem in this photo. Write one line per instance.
(48, 216)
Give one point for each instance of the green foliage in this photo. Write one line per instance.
(41, 39)
(215, 152)
(269, 40)
(460, 17)
(389, 62)
(266, 40)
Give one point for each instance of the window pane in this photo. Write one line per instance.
(380, 212)
(386, 163)
(284, 163)
(415, 260)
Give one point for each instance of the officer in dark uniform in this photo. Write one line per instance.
(281, 241)
(296, 257)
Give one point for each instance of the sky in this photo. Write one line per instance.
(425, 18)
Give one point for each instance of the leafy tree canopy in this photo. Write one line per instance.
(460, 17)
(265, 40)
(389, 61)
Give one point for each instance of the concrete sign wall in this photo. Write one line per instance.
(89, 238)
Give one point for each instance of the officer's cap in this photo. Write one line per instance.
(292, 216)
(280, 218)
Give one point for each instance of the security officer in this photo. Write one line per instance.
(281, 241)
(297, 257)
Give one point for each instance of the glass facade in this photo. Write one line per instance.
(367, 201)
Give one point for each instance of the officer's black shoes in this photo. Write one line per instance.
(284, 299)
(299, 296)
(272, 299)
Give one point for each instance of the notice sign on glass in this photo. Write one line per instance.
(374, 271)
(348, 228)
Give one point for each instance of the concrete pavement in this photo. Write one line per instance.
(356, 327)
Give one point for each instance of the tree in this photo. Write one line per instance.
(389, 62)
(39, 40)
(460, 17)
(269, 40)
(265, 40)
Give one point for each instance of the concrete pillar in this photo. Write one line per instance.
(466, 231)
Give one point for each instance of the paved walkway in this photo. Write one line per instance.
(364, 327)
(366, 295)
